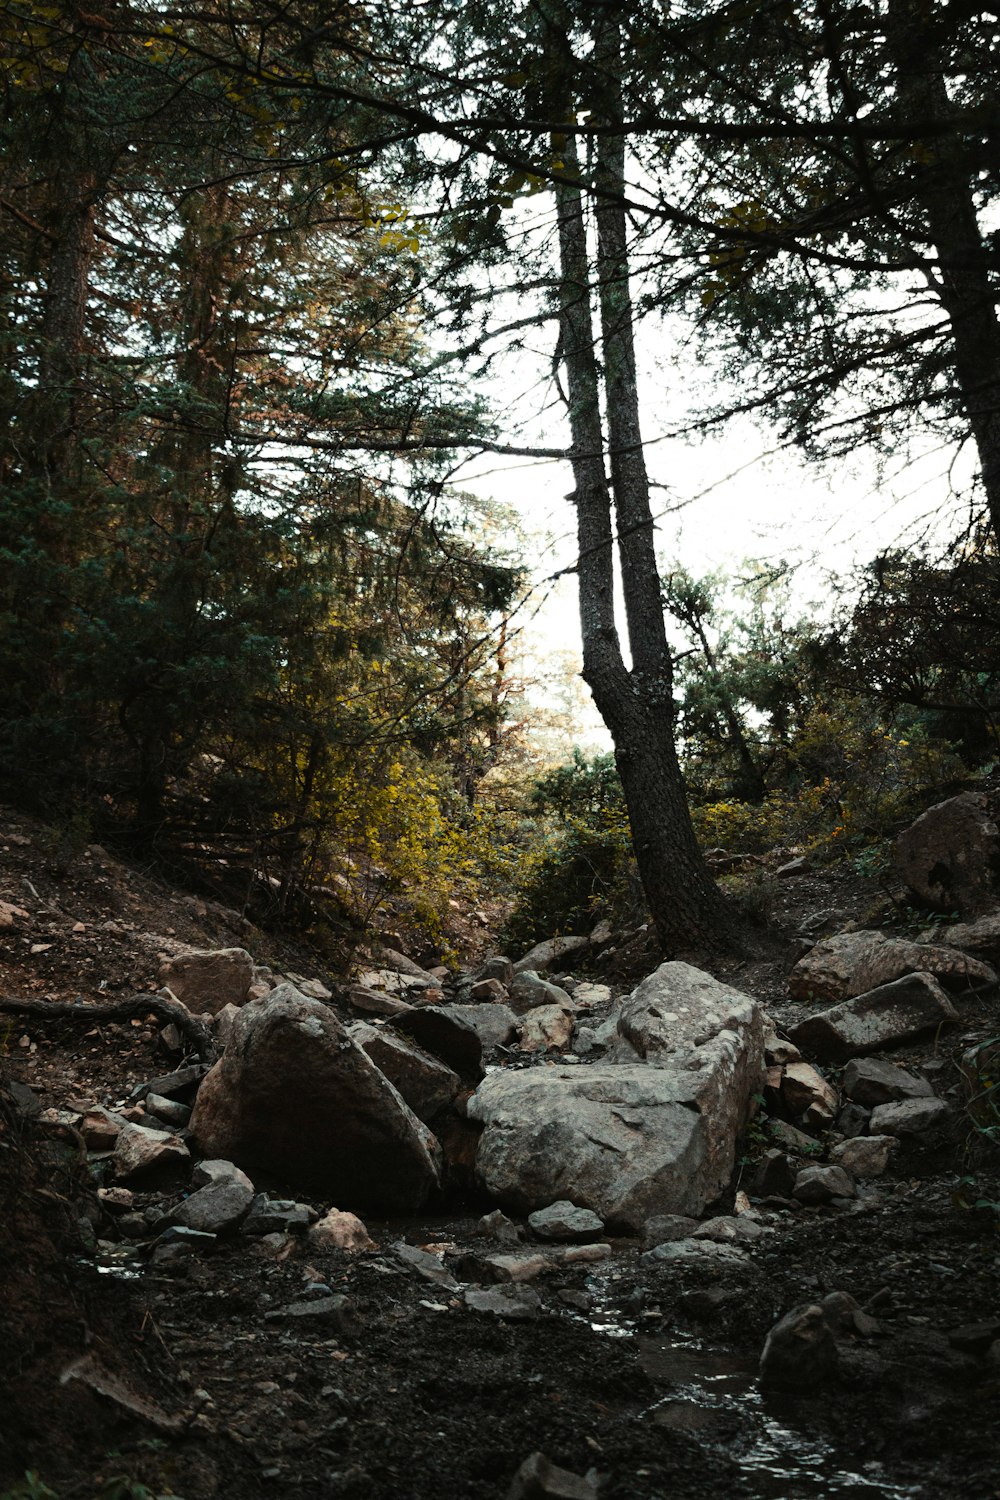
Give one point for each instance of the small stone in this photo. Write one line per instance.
(498, 967)
(518, 1268)
(339, 1230)
(866, 1156)
(779, 1052)
(773, 1176)
(727, 1230)
(100, 1129)
(335, 1312)
(692, 1251)
(564, 1221)
(427, 1265)
(276, 1216)
(551, 954)
(800, 1351)
(663, 1227)
(216, 1207)
(853, 1120)
(587, 995)
(117, 1200)
(497, 1226)
(487, 990)
(512, 1305)
(530, 991)
(218, 1171)
(806, 1092)
(800, 866)
(820, 1184)
(538, 1479)
(581, 1255)
(792, 1138)
(171, 1111)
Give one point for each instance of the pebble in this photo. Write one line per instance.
(564, 1221)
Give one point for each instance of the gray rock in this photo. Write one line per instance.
(538, 1479)
(499, 967)
(208, 979)
(216, 1207)
(564, 1221)
(428, 1266)
(912, 1117)
(692, 1251)
(865, 1157)
(171, 1111)
(820, 1184)
(883, 1017)
(630, 1140)
(853, 1120)
(518, 1268)
(947, 855)
(553, 953)
(218, 1171)
(980, 937)
(269, 1216)
(728, 1229)
(402, 964)
(143, 1155)
(853, 963)
(426, 1083)
(663, 1227)
(497, 1226)
(294, 1096)
(513, 1304)
(773, 1176)
(488, 992)
(335, 1313)
(494, 1024)
(182, 1083)
(445, 1032)
(800, 1352)
(376, 1002)
(871, 1080)
(339, 1230)
(792, 1138)
(529, 990)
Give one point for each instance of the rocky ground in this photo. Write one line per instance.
(456, 1343)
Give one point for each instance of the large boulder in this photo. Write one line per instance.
(294, 1096)
(947, 857)
(635, 1139)
(884, 1017)
(852, 963)
(208, 979)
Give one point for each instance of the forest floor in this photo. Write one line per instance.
(124, 1381)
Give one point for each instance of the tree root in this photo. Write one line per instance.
(200, 1038)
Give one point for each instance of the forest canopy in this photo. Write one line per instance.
(255, 261)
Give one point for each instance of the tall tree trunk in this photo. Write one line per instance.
(637, 704)
(944, 191)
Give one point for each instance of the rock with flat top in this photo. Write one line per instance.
(295, 1097)
(634, 1139)
(871, 1080)
(864, 1156)
(853, 963)
(216, 1207)
(144, 1155)
(538, 1479)
(512, 1304)
(564, 1221)
(884, 1017)
(820, 1184)
(912, 1117)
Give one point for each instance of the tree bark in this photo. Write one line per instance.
(636, 705)
(963, 285)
